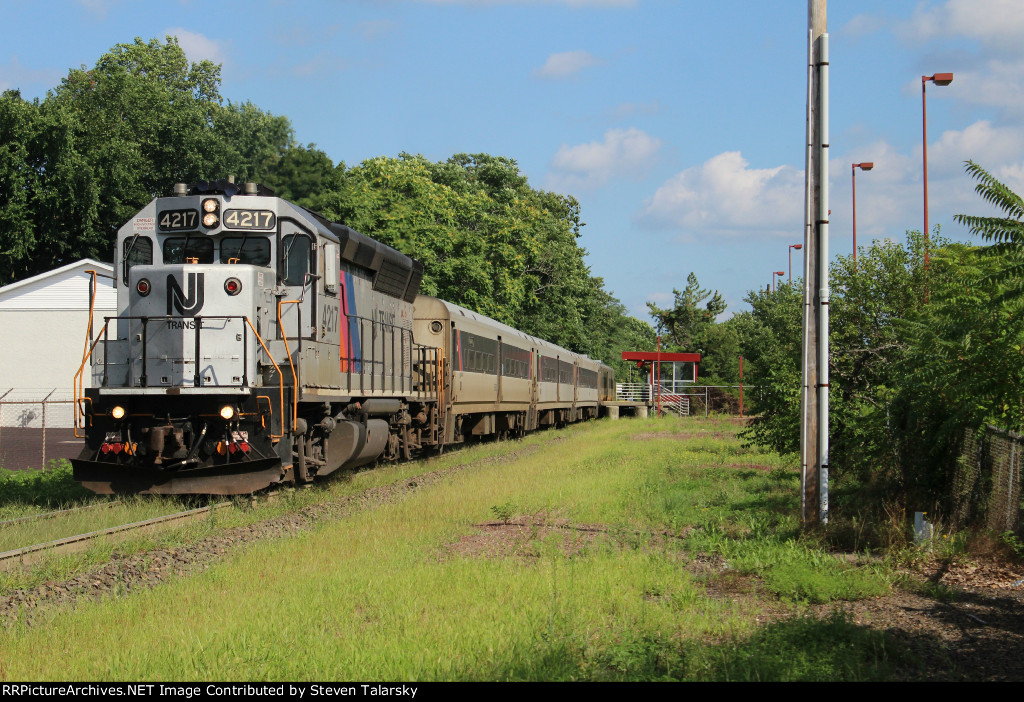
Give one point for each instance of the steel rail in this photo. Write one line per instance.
(70, 544)
(57, 513)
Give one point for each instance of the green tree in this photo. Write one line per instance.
(301, 174)
(77, 165)
(770, 339)
(966, 348)
(141, 121)
(693, 311)
(19, 128)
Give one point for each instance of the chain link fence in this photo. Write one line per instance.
(36, 427)
(987, 481)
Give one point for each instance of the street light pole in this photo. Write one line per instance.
(775, 273)
(791, 247)
(938, 79)
(866, 166)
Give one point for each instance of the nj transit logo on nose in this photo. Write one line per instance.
(187, 305)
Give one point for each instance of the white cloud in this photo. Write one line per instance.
(998, 85)
(890, 196)
(566, 64)
(989, 21)
(980, 142)
(725, 195)
(623, 153)
(197, 46)
(988, 75)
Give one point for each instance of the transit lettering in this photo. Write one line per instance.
(184, 324)
(384, 317)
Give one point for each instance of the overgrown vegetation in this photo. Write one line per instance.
(921, 359)
(41, 488)
(632, 551)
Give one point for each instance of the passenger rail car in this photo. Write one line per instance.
(256, 342)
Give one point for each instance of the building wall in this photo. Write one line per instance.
(44, 321)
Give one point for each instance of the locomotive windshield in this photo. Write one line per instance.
(188, 249)
(254, 250)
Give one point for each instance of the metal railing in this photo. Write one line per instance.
(197, 321)
(418, 375)
(683, 397)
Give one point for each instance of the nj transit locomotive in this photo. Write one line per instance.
(258, 343)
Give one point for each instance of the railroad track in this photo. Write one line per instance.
(57, 513)
(31, 554)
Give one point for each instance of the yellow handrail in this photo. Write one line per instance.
(280, 380)
(86, 352)
(79, 385)
(291, 363)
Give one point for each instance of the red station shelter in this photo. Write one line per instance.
(654, 359)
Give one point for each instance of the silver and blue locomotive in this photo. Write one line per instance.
(258, 343)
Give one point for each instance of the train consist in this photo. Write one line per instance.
(258, 343)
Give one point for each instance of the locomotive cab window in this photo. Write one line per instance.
(253, 250)
(188, 249)
(137, 251)
(296, 259)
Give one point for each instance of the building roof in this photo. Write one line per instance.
(64, 288)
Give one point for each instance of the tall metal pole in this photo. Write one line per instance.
(938, 79)
(853, 171)
(791, 247)
(864, 166)
(814, 394)
(924, 153)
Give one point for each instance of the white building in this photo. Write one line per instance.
(46, 318)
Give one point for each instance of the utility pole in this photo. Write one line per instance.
(814, 395)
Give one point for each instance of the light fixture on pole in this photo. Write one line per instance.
(775, 273)
(938, 79)
(866, 166)
(791, 247)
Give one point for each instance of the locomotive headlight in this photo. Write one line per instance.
(143, 287)
(227, 412)
(211, 207)
(232, 286)
(117, 412)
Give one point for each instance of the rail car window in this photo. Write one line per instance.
(254, 250)
(548, 370)
(479, 354)
(137, 251)
(296, 259)
(515, 362)
(565, 373)
(588, 379)
(180, 249)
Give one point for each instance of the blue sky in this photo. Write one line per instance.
(678, 125)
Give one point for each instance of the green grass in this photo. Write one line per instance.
(394, 591)
(24, 492)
